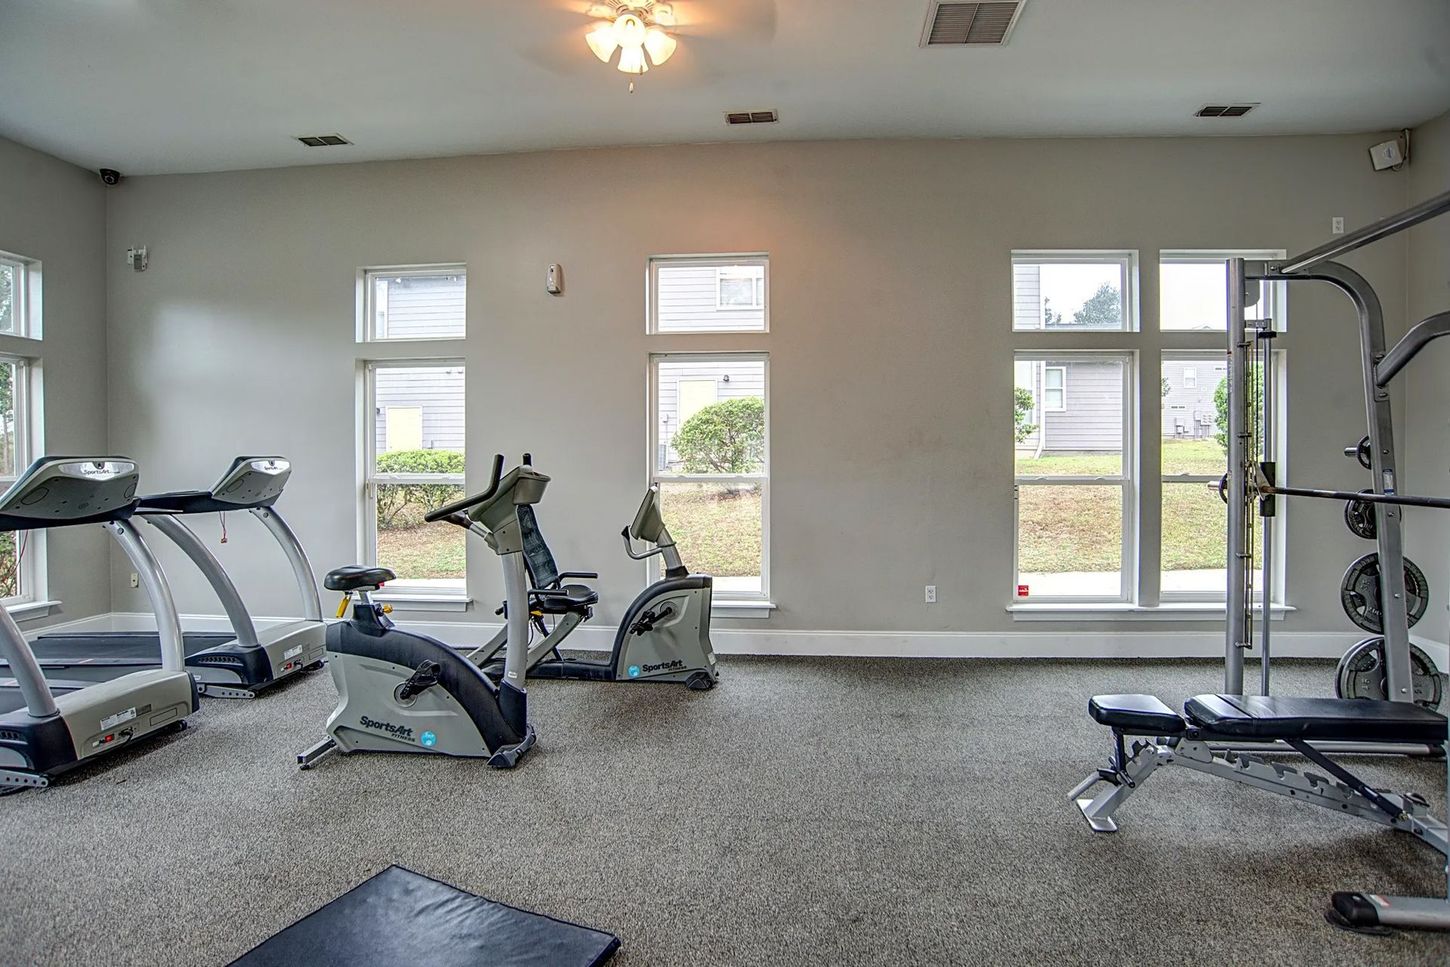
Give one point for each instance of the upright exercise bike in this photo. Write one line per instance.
(663, 637)
(399, 691)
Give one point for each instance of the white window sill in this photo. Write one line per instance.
(402, 601)
(1124, 611)
(741, 609)
(30, 610)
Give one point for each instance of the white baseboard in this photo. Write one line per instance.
(859, 644)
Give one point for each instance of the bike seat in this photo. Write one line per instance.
(570, 597)
(356, 577)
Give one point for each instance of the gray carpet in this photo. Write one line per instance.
(805, 812)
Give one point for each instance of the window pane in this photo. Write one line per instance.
(1069, 296)
(1193, 294)
(1070, 540)
(9, 295)
(1192, 440)
(717, 528)
(707, 295)
(428, 555)
(9, 415)
(1069, 416)
(10, 564)
(711, 415)
(418, 306)
(418, 419)
(1195, 523)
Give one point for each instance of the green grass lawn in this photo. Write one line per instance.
(1080, 528)
(424, 551)
(717, 531)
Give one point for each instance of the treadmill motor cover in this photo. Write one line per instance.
(402, 918)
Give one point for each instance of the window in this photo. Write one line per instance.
(1075, 488)
(414, 302)
(414, 448)
(19, 296)
(1194, 458)
(740, 287)
(1074, 291)
(729, 293)
(1193, 290)
(709, 453)
(1054, 389)
(17, 550)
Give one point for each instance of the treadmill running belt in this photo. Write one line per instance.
(118, 647)
(404, 918)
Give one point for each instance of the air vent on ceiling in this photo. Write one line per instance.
(752, 117)
(1224, 110)
(323, 140)
(970, 24)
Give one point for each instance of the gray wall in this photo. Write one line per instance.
(55, 212)
(891, 340)
(1426, 390)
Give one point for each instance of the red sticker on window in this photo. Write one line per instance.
(1022, 590)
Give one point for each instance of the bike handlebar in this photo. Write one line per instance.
(458, 506)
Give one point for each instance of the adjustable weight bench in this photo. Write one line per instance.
(1162, 737)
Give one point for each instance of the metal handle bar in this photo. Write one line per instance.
(458, 506)
(629, 548)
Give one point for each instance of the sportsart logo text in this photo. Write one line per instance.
(401, 731)
(666, 666)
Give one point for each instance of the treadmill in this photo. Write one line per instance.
(238, 664)
(49, 728)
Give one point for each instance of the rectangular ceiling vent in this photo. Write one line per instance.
(752, 117)
(1224, 110)
(970, 24)
(323, 140)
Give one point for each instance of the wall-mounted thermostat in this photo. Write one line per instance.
(136, 258)
(554, 281)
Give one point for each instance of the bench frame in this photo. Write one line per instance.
(1341, 791)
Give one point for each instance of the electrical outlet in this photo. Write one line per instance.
(931, 594)
(135, 580)
(1336, 225)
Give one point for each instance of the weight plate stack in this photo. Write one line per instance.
(1359, 593)
(1361, 674)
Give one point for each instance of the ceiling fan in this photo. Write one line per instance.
(634, 36)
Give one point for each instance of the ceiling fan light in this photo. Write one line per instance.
(602, 40)
(629, 30)
(631, 60)
(661, 46)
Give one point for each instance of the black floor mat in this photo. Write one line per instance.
(404, 918)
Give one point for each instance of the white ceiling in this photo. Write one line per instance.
(150, 86)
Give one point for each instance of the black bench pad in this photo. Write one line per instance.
(1137, 714)
(1263, 718)
(403, 919)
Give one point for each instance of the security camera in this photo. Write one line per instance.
(110, 176)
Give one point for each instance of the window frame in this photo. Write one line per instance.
(1126, 480)
(653, 475)
(1126, 259)
(25, 309)
(370, 479)
(366, 294)
(717, 262)
(31, 584)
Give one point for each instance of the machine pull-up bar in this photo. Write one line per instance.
(1373, 232)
